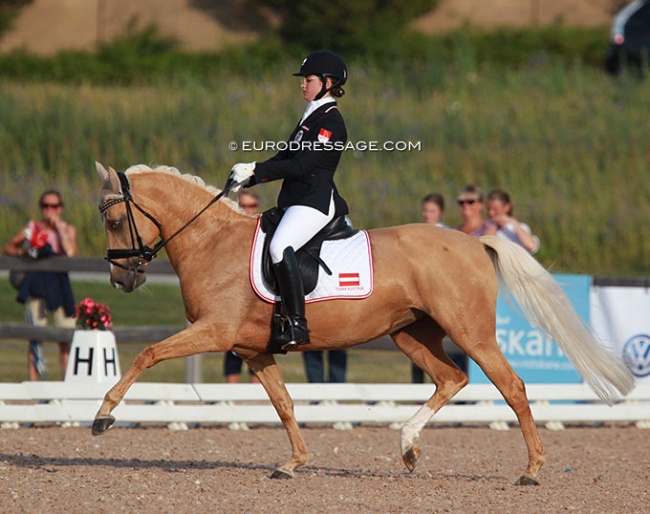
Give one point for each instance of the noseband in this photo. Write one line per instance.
(143, 252)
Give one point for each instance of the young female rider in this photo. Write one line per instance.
(308, 196)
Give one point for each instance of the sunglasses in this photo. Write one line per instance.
(50, 205)
(470, 202)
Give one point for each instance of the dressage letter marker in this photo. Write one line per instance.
(93, 357)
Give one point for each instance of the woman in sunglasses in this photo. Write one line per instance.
(46, 292)
(470, 201)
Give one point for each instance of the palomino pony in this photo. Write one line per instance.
(428, 282)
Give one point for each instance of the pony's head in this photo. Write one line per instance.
(130, 230)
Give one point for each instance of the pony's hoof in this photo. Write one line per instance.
(101, 425)
(281, 474)
(524, 480)
(410, 458)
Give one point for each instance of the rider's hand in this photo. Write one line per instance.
(241, 174)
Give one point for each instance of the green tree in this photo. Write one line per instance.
(9, 9)
(343, 25)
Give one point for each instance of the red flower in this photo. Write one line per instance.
(93, 316)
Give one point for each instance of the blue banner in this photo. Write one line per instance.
(534, 357)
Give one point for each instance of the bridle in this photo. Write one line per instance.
(143, 252)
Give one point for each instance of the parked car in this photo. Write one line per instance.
(630, 39)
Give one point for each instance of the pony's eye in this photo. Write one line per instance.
(114, 224)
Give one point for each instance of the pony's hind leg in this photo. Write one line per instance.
(266, 369)
(422, 343)
(489, 357)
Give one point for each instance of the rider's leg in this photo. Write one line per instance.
(298, 225)
(293, 299)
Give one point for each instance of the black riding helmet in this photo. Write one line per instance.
(325, 63)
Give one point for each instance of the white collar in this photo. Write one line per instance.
(315, 104)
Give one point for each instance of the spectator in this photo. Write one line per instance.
(249, 201)
(505, 225)
(433, 209)
(315, 370)
(46, 292)
(470, 201)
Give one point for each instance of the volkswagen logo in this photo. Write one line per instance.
(636, 354)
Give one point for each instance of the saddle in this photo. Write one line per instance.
(308, 256)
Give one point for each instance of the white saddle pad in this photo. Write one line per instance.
(350, 261)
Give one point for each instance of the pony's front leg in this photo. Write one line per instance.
(194, 339)
(267, 371)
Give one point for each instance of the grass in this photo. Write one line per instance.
(568, 143)
(158, 304)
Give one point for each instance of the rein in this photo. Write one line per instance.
(143, 252)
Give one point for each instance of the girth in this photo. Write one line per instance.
(308, 256)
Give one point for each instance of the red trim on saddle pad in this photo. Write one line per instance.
(350, 261)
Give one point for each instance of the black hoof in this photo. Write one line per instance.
(281, 475)
(410, 458)
(101, 425)
(524, 480)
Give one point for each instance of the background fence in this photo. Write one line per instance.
(178, 405)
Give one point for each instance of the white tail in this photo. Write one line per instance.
(547, 307)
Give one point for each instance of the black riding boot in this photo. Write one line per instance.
(294, 331)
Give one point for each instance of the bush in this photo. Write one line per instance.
(145, 57)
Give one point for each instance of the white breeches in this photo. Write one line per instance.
(298, 225)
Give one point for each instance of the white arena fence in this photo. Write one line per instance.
(180, 405)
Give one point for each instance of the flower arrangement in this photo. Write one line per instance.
(93, 316)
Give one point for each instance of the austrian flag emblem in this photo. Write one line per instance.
(324, 135)
(349, 280)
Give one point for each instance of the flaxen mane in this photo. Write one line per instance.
(194, 179)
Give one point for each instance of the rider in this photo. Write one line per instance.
(308, 197)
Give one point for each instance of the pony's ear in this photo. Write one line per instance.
(116, 185)
(111, 182)
(103, 174)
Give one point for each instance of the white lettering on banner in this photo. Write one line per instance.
(526, 344)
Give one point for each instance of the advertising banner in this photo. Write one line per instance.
(535, 357)
(621, 318)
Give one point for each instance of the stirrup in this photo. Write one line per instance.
(292, 333)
